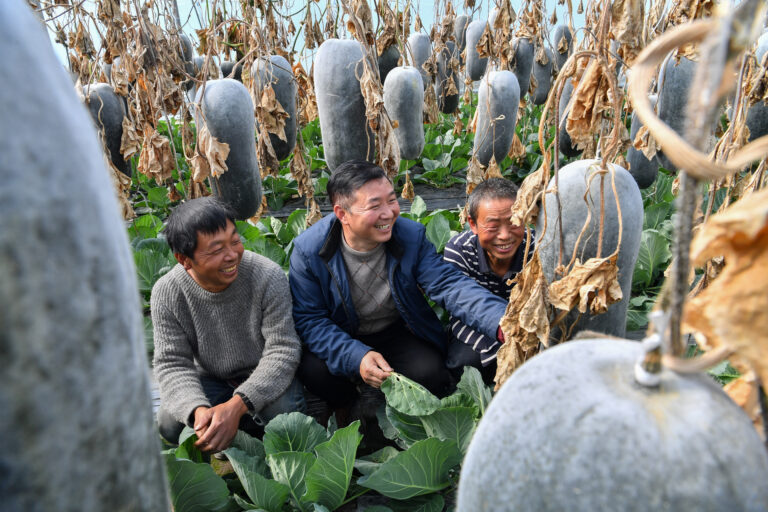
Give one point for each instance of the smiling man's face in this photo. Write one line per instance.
(368, 220)
(498, 237)
(216, 259)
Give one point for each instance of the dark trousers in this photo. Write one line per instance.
(406, 353)
(461, 355)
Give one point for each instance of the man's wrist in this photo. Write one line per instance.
(246, 405)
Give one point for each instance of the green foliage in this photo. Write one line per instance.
(423, 468)
(302, 467)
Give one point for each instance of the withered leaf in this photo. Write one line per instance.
(475, 174)
(269, 165)
(589, 100)
(389, 149)
(213, 150)
(485, 43)
(130, 144)
(525, 208)
(300, 172)
(313, 212)
(270, 113)
(592, 285)
(408, 192)
(646, 143)
(525, 323)
(730, 312)
(156, 160)
(744, 391)
(493, 170)
(516, 149)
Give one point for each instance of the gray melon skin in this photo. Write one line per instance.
(475, 65)
(228, 112)
(345, 131)
(460, 30)
(388, 61)
(108, 111)
(447, 103)
(498, 95)
(420, 50)
(404, 101)
(76, 427)
(277, 71)
(543, 75)
(523, 63)
(228, 66)
(643, 170)
(564, 143)
(560, 32)
(571, 430)
(573, 186)
(674, 84)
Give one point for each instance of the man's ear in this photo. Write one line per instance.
(340, 213)
(185, 261)
(472, 225)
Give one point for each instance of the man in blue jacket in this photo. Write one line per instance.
(359, 279)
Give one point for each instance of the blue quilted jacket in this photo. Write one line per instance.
(325, 317)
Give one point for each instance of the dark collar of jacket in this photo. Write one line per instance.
(333, 242)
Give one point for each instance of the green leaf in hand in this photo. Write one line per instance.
(407, 396)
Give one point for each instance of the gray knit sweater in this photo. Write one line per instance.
(245, 330)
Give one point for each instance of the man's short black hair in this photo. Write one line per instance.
(493, 188)
(349, 177)
(203, 215)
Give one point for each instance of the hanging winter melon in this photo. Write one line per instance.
(404, 101)
(522, 64)
(420, 49)
(108, 111)
(388, 61)
(542, 72)
(498, 98)
(576, 210)
(572, 430)
(475, 64)
(565, 145)
(276, 71)
(562, 40)
(340, 105)
(227, 112)
(642, 169)
(447, 101)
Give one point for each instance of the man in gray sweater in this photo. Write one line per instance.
(226, 350)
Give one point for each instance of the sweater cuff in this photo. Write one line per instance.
(246, 401)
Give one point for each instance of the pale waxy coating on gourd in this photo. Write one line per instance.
(475, 65)
(447, 103)
(344, 127)
(564, 144)
(420, 49)
(573, 187)
(572, 430)
(460, 31)
(277, 71)
(404, 101)
(522, 64)
(77, 426)
(560, 32)
(498, 98)
(108, 111)
(228, 114)
(642, 169)
(543, 75)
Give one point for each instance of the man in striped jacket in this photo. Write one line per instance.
(491, 253)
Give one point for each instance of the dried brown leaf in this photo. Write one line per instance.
(516, 150)
(431, 111)
(213, 150)
(156, 160)
(525, 207)
(408, 192)
(130, 144)
(313, 211)
(475, 174)
(525, 323)
(592, 285)
(493, 170)
(627, 18)
(590, 99)
(730, 312)
(270, 114)
(389, 149)
(301, 173)
(458, 126)
(269, 165)
(744, 391)
(645, 142)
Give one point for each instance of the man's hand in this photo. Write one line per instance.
(374, 369)
(216, 426)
